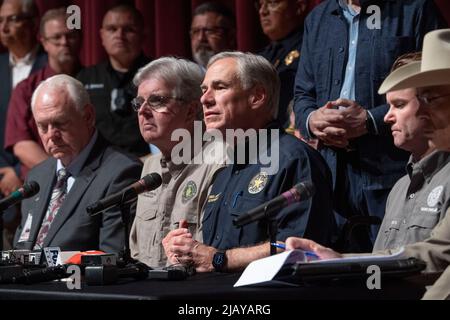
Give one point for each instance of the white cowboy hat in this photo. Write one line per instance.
(433, 70)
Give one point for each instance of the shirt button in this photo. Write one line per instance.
(412, 195)
(341, 49)
(217, 237)
(337, 82)
(236, 172)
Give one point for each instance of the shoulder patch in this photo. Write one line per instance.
(189, 191)
(434, 196)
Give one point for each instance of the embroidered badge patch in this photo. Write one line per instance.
(189, 191)
(258, 183)
(434, 196)
(294, 54)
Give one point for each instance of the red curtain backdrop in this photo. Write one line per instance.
(167, 24)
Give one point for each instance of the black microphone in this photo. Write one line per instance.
(299, 192)
(147, 183)
(27, 190)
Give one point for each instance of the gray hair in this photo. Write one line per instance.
(255, 70)
(184, 76)
(74, 88)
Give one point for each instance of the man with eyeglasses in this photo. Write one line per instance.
(430, 78)
(347, 51)
(109, 83)
(282, 23)
(418, 201)
(18, 28)
(213, 30)
(63, 48)
(168, 100)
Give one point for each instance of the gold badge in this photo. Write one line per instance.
(213, 198)
(258, 183)
(294, 54)
(189, 191)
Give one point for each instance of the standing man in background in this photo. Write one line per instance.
(282, 22)
(213, 30)
(109, 83)
(344, 60)
(63, 48)
(18, 29)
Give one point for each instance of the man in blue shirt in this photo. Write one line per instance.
(345, 57)
(240, 91)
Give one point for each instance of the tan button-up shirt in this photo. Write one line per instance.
(181, 196)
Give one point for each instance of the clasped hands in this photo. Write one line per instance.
(335, 126)
(181, 248)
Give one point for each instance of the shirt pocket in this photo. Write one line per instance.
(420, 226)
(148, 230)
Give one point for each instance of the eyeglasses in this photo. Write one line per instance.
(57, 38)
(16, 18)
(209, 32)
(272, 5)
(429, 100)
(155, 102)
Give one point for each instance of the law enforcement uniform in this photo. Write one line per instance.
(111, 93)
(181, 196)
(284, 56)
(417, 202)
(240, 187)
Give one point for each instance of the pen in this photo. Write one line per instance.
(308, 254)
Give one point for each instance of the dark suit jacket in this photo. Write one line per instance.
(6, 159)
(105, 172)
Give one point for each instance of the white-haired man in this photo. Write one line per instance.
(81, 170)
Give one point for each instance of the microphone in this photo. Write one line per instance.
(26, 191)
(299, 192)
(147, 183)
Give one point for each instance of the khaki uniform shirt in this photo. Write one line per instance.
(182, 194)
(417, 202)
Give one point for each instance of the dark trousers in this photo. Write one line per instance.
(357, 206)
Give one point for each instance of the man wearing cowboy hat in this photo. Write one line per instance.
(431, 77)
(344, 60)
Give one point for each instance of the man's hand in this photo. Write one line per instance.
(354, 118)
(326, 124)
(9, 182)
(309, 245)
(180, 247)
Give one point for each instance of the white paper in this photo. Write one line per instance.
(364, 258)
(263, 271)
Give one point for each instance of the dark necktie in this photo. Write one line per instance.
(58, 194)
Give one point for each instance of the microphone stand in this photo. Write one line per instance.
(125, 211)
(272, 229)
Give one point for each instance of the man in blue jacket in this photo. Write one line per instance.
(348, 49)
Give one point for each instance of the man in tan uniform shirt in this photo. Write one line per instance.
(431, 77)
(169, 99)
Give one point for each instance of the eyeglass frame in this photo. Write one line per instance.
(209, 32)
(56, 39)
(163, 103)
(15, 18)
(270, 4)
(429, 100)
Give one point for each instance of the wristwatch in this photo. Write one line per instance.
(219, 260)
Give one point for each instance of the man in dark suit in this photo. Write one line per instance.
(82, 169)
(18, 28)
